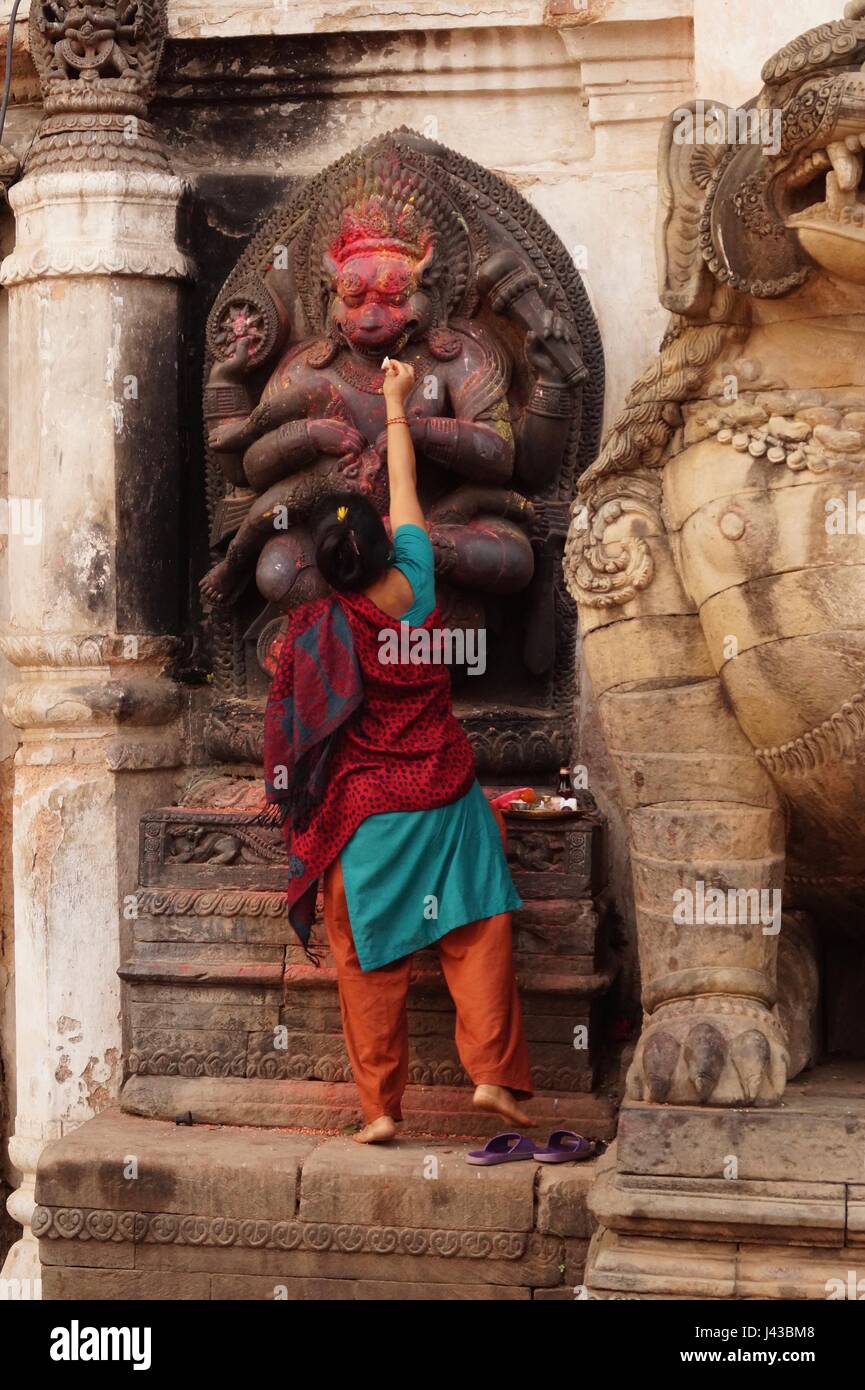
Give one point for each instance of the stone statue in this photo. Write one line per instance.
(390, 254)
(718, 558)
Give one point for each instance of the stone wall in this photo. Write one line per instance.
(564, 99)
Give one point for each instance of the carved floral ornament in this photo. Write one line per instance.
(167, 1228)
(97, 64)
(282, 1066)
(40, 650)
(611, 561)
(251, 316)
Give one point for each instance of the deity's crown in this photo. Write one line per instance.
(382, 223)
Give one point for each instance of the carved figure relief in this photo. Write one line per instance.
(404, 247)
(97, 66)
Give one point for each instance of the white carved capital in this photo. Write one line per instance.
(61, 703)
(37, 650)
(96, 222)
(104, 684)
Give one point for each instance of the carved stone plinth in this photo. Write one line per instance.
(735, 1204)
(221, 992)
(256, 1214)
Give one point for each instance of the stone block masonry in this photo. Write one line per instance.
(143, 1209)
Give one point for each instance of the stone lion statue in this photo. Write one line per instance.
(717, 554)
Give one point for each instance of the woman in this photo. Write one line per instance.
(380, 786)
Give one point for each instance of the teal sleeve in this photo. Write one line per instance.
(413, 556)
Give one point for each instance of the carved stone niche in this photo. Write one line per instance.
(485, 301)
(458, 274)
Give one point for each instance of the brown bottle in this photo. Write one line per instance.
(565, 788)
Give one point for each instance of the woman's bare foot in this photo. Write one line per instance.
(380, 1131)
(497, 1100)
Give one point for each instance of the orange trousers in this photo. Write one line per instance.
(477, 965)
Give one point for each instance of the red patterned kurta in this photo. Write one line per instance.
(400, 748)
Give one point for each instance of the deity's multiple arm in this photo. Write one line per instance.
(542, 432)
(278, 437)
(477, 436)
(227, 406)
(475, 449)
(543, 426)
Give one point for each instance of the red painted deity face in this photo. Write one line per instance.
(379, 303)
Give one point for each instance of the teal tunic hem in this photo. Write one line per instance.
(400, 868)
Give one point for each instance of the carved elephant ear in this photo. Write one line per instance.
(747, 242)
(687, 164)
(719, 223)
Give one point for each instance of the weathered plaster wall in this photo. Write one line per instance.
(733, 39)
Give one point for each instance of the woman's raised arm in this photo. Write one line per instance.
(405, 509)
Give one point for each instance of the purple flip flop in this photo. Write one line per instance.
(564, 1146)
(504, 1148)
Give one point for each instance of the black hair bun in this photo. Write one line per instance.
(352, 547)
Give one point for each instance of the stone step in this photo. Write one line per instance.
(772, 1143)
(760, 1203)
(629, 1266)
(442, 1111)
(135, 1208)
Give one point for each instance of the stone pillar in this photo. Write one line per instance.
(95, 577)
(635, 67)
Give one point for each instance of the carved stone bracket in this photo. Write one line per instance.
(96, 80)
